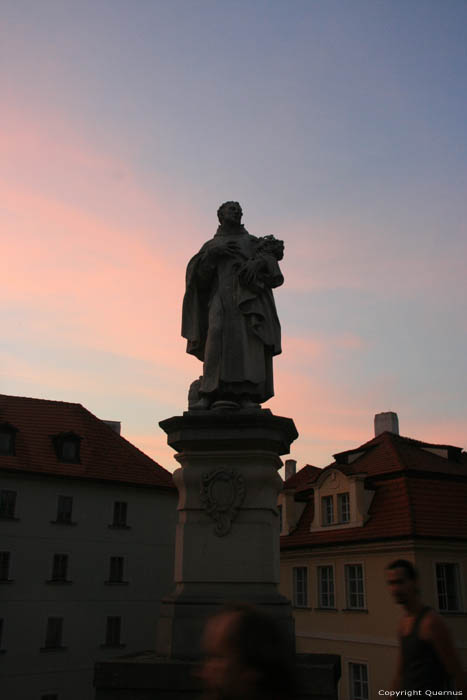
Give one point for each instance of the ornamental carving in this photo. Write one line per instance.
(222, 493)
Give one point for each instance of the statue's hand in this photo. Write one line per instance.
(229, 248)
(249, 271)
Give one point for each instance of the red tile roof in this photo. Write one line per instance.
(389, 452)
(303, 478)
(417, 494)
(104, 454)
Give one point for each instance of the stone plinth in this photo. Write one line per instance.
(227, 541)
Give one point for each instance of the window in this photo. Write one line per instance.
(448, 585)
(7, 504)
(64, 509)
(70, 451)
(116, 570)
(113, 631)
(300, 586)
(343, 507)
(4, 566)
(67, 447)
(327, 510)
(120, 513)
(7, 439)
(60, 567)
(53, 635)
(354, 586)
(326, 587)
(358, 681)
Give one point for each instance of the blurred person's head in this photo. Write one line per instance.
(402, 580)
(247, 657)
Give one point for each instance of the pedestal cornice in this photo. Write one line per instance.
(230, 430)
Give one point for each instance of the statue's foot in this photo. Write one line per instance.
(225, 405)
(248, 403)
(202, 405)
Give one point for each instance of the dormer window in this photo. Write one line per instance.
(327, 510)
(67, 447)
(343, 507)
(7, 439)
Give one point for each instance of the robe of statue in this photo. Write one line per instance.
(231, 326)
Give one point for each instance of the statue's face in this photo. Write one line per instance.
(231, 213)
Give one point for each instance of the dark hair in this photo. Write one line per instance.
(410, 570)
(264, 645)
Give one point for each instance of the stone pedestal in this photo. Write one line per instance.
(227, 542)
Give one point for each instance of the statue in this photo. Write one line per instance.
(229, 316)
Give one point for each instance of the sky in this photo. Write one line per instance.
(340, 127)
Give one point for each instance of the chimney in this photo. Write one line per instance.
(290, 468)
(386, 422)
(114, 424)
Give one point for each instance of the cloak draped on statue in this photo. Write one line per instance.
(231, 324)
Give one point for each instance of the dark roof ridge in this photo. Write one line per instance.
(423, 443)
(403, 438)
(119, 436)
(34, 398)
(294, 481)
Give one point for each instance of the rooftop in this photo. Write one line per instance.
(104, 455)
(420, 490)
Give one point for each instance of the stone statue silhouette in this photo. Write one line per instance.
(229, 316)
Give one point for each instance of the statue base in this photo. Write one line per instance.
(227, 538)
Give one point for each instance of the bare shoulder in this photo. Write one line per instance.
(433, 626)
(402, 627)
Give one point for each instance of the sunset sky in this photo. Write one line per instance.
(341, 127)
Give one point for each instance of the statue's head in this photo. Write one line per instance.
(230, 213)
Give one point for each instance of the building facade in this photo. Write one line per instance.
(391, 498)
(87, 526)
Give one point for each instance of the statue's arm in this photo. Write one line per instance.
(272, 276)
(261, 271)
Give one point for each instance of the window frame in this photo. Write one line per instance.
(117, 521)
(8, 501)
(340, 509)
(5, 566)
(10, 431)
(118, 580)
(64, 516)
(364, 665)
(296, 585)
(53, 637)
(60, 568)
(348, 593)
(459, 587)
(59, 441)
(324, 511)
(319, 569)
(113, 640)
